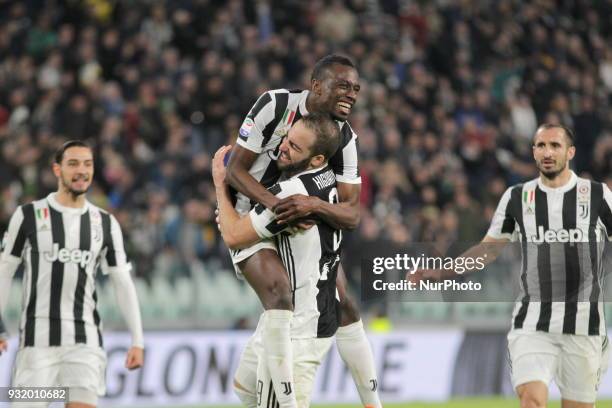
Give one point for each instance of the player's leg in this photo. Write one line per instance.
(354, 347)
(583, 363)
(35, 367)
(533, 394)
(266, 274)
(245, 378)
(83, 371)
(533, 360)
(309, 354)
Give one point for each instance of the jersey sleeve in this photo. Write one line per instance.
(606, 211)
(345, 163)
(503, 224)
(250, 135)
(263, 219)
(115, 258)
(13, 243)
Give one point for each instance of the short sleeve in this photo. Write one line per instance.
(263, 219)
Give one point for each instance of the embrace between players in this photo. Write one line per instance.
(561, 339)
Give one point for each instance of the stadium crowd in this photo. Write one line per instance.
(451, 94)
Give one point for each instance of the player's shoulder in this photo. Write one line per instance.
(347, 133)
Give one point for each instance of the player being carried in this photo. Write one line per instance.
(251, 169)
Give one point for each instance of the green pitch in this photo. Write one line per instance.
(459, 403)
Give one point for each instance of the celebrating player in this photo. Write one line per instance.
(252, 168)
(61, 240)
(558, 330)
(311, 257)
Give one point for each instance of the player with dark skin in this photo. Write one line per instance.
(335, 93)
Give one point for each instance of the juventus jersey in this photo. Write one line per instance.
(61, 249)
(268, 122)
(562, 233)
(311, 257)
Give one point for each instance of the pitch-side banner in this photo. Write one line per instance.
(197, 368)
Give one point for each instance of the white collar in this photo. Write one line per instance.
(561, 189)
(51, 198)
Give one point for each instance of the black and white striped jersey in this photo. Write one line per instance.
(562, 233)
(268, 122)
(61, 249)
(311, 257)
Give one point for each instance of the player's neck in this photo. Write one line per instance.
(67, 199)
(559, 181)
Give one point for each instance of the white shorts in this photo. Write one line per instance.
(576, 363)
(81, 368)
(239, 255)
(254, 377)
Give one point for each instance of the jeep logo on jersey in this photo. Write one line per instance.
(65, 255)
(562, 235)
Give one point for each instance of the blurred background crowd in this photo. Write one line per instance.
(451, 95)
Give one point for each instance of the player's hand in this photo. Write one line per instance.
(218, 166)
(294, 207)
(135, 358)
(217, 220)
(429, 274)
(3, 344)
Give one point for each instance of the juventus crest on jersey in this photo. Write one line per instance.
(562, 233)
(268, 122)
(61, 249)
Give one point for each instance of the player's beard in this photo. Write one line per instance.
(292, 169)
(73, 191)
(551, 174)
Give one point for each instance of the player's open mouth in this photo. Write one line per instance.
(345, 107)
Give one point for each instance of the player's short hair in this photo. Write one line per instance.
(326, 62)
(569, 133)
(327, 134)
(59, 154)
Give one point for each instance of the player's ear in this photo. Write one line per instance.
(315, 87)
(56, 169)
(317, 161)
(571, 152)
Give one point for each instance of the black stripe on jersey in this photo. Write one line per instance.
(108, 240)
(57, 280)
(516, 208)
(544, 269)
(284, 245)
(21, 238)
(606, 211)
(298, 116)
(572, 266)
(282, 100)
(96, 317)
(29, 223)
(270, 391)
(79, 293)
(597, 202)
(336, 162)
(271, 175)
(259, 105)
(509, 224)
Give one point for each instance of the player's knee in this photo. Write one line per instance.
(531, 399)
(279, 296)
(349, 313)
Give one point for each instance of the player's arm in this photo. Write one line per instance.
(13, 245)
(501, 231)
(116, 265)
(249, 145)
(342, 215)
(237, 232)
(606, 211)
(238, 176)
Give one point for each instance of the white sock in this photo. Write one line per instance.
(356, 352)
(276, 336)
